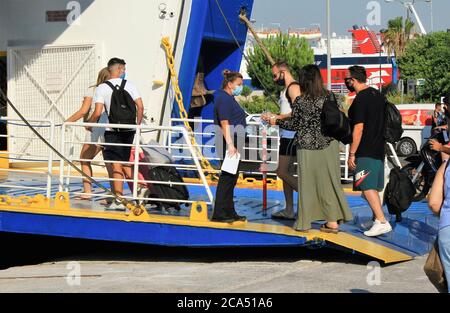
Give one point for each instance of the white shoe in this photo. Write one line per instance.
(116, 206)
(143, 192)
(378, 229)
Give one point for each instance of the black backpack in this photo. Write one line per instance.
(335, 123)
(393, 123)
(177, 192)
(123, 107)
(399, 192)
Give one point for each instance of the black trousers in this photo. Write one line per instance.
(224, 202)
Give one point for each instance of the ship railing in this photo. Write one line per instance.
(204, 131)
(144, 138)
(346, 174)
(20, 165)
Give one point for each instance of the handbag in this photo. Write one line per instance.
(434, 270)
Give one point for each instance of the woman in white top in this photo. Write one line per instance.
(94, 137)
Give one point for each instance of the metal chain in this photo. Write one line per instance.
(206, 165)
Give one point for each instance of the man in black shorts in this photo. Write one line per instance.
(102, 99)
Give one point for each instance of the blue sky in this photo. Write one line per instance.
(345, 13)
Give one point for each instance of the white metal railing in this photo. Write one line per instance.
(66, 173)
(69, 141)
(344, 150)
(24, 158)
(253, 146)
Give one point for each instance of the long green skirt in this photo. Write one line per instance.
(320, 196)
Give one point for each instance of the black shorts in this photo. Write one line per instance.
(118, 153)
(288, 147)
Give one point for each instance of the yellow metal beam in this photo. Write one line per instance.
(4, 160)
(41, 205)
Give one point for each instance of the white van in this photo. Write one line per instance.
(417, 121)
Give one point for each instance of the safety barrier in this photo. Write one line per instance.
(273, 150)
(204, 131)
(25, 158)
(67, 145)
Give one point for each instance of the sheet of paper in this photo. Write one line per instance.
(231, 163)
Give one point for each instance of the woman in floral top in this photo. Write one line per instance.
(320, 197)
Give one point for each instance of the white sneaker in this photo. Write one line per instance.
(378, 229)
(143, 192)
(116, 206)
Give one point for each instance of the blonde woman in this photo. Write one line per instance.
(93, 137)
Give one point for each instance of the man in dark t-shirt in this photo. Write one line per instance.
(367, 152)
(368, 108)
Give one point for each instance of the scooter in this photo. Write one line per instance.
(423, 166)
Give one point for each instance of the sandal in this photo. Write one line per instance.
(82, 198)
(106, 202)
(282, 215)
(325, 229)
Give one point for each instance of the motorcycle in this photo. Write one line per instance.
(423, 166)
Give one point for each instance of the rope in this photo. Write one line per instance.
(136, 210)
(264, 126)
(245, 56)
(206, 165)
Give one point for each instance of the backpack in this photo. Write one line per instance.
(335, 123)
(393, 126)
(123, 108)
(176, 192)
(399, 192)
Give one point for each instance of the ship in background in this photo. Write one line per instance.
(364, 48)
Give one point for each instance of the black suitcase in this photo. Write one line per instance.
(177, 192)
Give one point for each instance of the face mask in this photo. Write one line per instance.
(349, 87)
(123, 76)
(238, 90)
(281, 81)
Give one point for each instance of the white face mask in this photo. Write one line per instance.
(237, 91)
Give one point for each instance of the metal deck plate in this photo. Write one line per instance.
(412, 237)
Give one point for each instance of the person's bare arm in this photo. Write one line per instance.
(140, 110)
(96, 114)
(437, 146)
(285, 116)
(82, 111)
(436, 198)
(357, 135)
(294, 92)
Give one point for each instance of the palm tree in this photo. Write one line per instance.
(397, 36)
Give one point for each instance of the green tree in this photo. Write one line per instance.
(397, 36)
(258, 104)
(428, 58)
(294, 50)
(246, 91)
